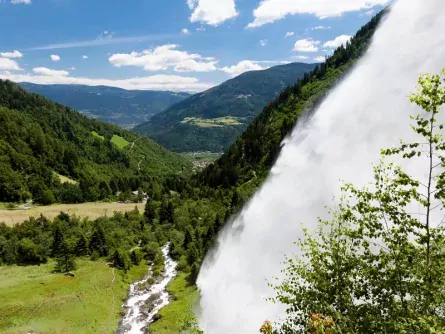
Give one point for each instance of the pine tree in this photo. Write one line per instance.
(121, 260)
(98, 241)
(58, 239)
(65, 259)
(81, 248)
(149, 213)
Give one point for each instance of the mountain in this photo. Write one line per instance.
(211, 121)
(126, 108)
(43, 143)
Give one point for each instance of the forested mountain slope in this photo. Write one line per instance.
(211, 197)
(211, 121)
(126, 108)
(40, 138)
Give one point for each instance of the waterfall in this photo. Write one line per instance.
(367, 111)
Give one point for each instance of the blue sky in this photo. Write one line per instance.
(180, 45)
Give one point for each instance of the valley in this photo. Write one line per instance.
(271, 195)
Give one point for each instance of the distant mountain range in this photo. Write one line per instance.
(211, 121)
(126, 108)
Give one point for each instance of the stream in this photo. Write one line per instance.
(143, 304)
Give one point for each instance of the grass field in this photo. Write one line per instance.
(119, 141)
(116, 140)
(95, 134)
(34, 299)
(211, 122)
(64, 179)
(91, 210)
(173, 315)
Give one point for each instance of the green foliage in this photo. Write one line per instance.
(40, 137)
(241, 97)
(136, 256)
(121, 259)
(376, 267)
(65, 258)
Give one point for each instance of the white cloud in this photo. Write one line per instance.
(306, 45)
(16, 2)
(72, 68)
(300, 57)
(55, 58)
(185, 31)
(269, 11)
(84, 57)
(163, 58)
(9, 65)
(337, 41)
(201, 29)
(289, 34)
(106, 35)
(321, 28)
(155, 82)
(14, 54)
(320, 59)
(241, 67)
(48, 72)
(212, 12)
(263, 42)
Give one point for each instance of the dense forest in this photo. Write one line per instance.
(180, 129)
(126, 108)
(41, 140)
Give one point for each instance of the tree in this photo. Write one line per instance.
(149, 213)
(98, 241)
(65, 259)
(136, 257)
(377, 267)
(29, 253)
(58, 239)
(121, 260)
(47, 198)
(82, 248)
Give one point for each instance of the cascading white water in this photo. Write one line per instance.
(136, 320)
(368, 111)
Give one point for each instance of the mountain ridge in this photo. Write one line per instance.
(126, 108)
(211, 120)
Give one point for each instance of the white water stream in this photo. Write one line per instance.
(368, 111)
(137, 318)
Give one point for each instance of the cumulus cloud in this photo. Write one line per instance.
(185, 31)
(55, 58)
(25, 2)
(306, 45)
(337, 41)
(155, 82)
(241, 67)
(289, 34)
(300, 57)
(164, 57)
(84, 57)
(201, 29)
(269, 11)
(263, 42)
(212, 12)
(320, 59)
(14, 54)
(7, 64)
(48, 72)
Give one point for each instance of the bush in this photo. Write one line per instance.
(47, 198)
